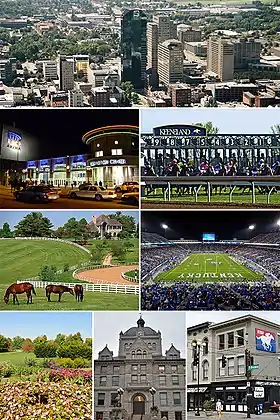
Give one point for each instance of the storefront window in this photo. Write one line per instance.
(230, 397)
(241, 397)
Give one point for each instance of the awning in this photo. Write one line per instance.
(193, 390)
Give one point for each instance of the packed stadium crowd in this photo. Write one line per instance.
(162, 257)
(269, 238)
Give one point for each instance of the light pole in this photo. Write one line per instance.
(165, 227)
(196, 362)
(120, 392)
(247, 372)
(152, 391)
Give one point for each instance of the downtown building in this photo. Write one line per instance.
(229, 340)
(139, 367)
(220, 58)
(170, 61)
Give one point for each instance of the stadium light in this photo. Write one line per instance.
(164, 226)
(278, 222)
(251, 227)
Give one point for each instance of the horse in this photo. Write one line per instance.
(59, 289)
(18, 288)
(79, 292)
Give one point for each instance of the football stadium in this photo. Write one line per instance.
(236, 268)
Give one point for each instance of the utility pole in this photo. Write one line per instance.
(248, 375)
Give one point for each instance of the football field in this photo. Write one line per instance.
(208, 268)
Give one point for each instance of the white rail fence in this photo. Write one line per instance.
(90, 287)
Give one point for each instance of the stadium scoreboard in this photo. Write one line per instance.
(208, 237)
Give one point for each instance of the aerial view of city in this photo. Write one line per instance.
(119, 53)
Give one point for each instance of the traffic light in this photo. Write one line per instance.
(224, 361)
(248, 362)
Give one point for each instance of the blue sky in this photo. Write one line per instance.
(58, 218)
(33, 324)
(229, 121)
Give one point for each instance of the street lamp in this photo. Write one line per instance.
(164, 226)
(196, 362)
(120, 392)
(152, 391)
(247, 371)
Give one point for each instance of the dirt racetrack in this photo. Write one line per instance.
(110, 275)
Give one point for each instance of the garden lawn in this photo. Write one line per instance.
(210, 268)
(17, 357)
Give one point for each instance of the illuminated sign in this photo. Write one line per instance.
(179, 131)
(31, 164)
(106, 162)
(265, 341)
(14, 140)
(45, 163)
(208, 237)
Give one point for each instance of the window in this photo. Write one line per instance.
(154, 346)
(116, 369)
(221, 369)
(230, 363)
(240, 338)
(174, 369)
(178, 415)
(163, 398)
(114, 398)
(134, 379)
(133, 355)
(176, 398)
(161, 369)
(205, 370)
(103, 369)
(134, 368)
(162, 380)
(230, 337)
(115, 380)
(144, 354)
(194, 373)
(103, 380)
(164, 414)
(143, 368)
(116, 152)
(205, 347)
(139, 354)
(241, 365)
(175, 380)
(101, 398)
(99, 153)
(98, 415)
(143, 378)
(221, 341)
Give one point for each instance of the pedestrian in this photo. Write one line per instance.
(219, 408)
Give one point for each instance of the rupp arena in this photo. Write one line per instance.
(201, 275)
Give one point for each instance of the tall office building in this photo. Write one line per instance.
(220, 58)
(170, 61)
(66, 73)
(152, 45)
(134, 47)
(188, 34)
(246, 51)
(167, 29)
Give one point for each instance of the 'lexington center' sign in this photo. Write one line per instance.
(179, 131)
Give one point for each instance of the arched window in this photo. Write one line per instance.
(194, 373)
(133, 355)
(154, 346)
(194, 348)
(205, 369)
(139, 354)
(144, 354)
(205, 345)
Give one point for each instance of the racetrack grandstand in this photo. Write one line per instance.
(218, 275)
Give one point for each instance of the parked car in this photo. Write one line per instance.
(37, 193)
(93, 192)
(132, 186)
(131, 198)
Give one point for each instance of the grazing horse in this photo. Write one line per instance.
(79, 292)
(59, 289)
(18, 288)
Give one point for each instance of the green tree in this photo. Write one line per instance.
(45, 349)
(4, 344)
(60, 339)
(35, 225)
(6, 232)
(48, 273)
(128, 89)
(128, 222)
(40, 339)
(118, 250)
(96, 255)
(210, 128)
(275, 129)
(17, 342)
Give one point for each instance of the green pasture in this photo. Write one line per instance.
(208, 268)
(17, 357)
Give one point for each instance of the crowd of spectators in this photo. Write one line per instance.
(163, 257)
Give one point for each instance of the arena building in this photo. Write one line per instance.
(230, 384)
(144, 375)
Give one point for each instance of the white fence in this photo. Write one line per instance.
(90, 287)
(132, 279)
(36, 238)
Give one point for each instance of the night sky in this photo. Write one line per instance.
(225, 224)
(60, 131)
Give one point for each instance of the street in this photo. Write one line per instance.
(232, 416)
(8, 201)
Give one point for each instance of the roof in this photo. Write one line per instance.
(147, 331)
(112, 222)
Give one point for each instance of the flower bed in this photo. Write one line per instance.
(76, 375)
(40, 400)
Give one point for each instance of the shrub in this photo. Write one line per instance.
(208, 405)
(66, 267)
(79, 362)
(75, 350)
(29, 361)
(64, 362)
(40, 400)
(47, 349)
(6, 369)
(73, 375)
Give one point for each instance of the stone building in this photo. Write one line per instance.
(139, 369)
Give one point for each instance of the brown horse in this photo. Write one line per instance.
(18, 288)
(59, 289)
(79, 292)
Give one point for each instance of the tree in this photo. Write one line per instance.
(60, 339)
(27, 346)
(45, 349)
(48, 273)
(128, 89)
(96, 255)
(210, 128)
(275, 129)
(17, 82)
(4, 344)
(74, 350)
(128, 222)
(118, 250)
(6, 232)
(40, 339)
(34, 224)
(17, 342)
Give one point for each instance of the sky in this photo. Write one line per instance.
(60, 131)
(58, 218)
(226, 224)
(107, 327)
(34, 324)
(194, 318)
(229, 121)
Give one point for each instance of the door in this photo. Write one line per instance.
(139, 404)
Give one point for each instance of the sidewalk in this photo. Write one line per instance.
(231, 416)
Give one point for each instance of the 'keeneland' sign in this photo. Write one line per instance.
(179, 131)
